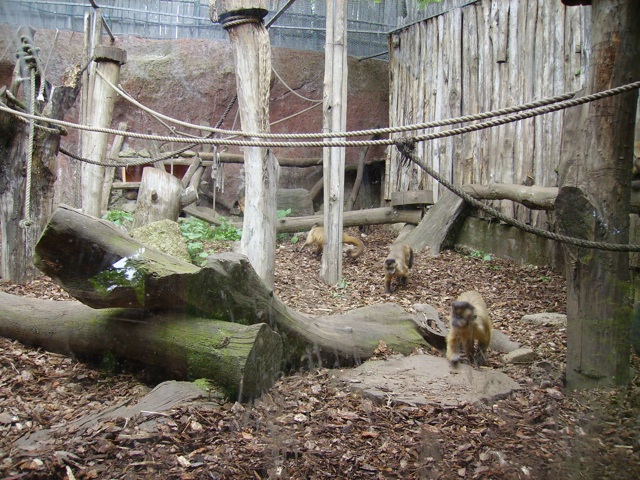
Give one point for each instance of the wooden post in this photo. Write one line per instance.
(108, 61)
(243, 21)
(593, 202)
(109, 172)
(335, 120)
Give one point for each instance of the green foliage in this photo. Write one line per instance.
(119, 217)
(226, 232)
(198, 232)
(424, 3)
(487, 257)
(340, 289)
(281, 237)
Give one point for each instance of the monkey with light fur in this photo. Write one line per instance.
(470, 323)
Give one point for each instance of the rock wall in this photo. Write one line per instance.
(194, 81)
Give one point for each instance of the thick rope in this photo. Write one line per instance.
(27, 222)
(343, 143)
(355, 133)
(406, 148)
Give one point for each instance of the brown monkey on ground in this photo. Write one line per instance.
(469, 323)
(397, 264)
(316, 237)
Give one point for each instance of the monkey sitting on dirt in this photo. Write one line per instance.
(397, 264)
(316, 237)
(469, 323)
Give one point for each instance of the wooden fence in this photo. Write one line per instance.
(478, 57)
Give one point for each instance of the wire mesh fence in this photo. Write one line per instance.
(301, 26)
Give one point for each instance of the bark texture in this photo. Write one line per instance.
(243, 361)
(19, 240)
(102, 267)
(593, 202)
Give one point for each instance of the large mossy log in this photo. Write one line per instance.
(101, 266)
(243, 361)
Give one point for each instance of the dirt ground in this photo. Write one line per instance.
(309, 425)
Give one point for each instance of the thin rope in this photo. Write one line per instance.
(406, 148)
(292, 90)
(355, 133)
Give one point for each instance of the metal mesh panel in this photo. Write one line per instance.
(301, 27)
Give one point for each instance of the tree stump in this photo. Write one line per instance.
(159, 197)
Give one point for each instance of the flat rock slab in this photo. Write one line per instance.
(427, 380)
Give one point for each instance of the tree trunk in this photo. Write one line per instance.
(536, 197)
(439, 226)
(334, 120)
(109, 172)
(371, 216)
(358, 181)
(252, 48)
(19, 239)
(101, 266)
(108, 61)
(243, 361)
(159, 197)
(593, 202)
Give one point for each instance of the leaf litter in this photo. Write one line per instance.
(309, 425)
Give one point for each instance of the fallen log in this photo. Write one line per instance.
(439, 226)
(535, 197)
(371, 216)
(101, 266)
(243, 361)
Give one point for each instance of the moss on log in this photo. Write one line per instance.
(243, 361)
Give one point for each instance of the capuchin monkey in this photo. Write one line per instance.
(469, 324)
(397, 264)
(316, 237)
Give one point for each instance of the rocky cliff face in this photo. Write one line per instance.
(194, 81)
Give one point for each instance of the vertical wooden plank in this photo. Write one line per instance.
(469, 92)
(335, 120)
(438, 111)
(455, 157)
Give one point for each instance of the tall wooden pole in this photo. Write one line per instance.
(593, 201)
(335, 120)
(243, 21)
(108, 61)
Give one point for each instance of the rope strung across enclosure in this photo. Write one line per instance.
(342, 143)
(354, 133)
(406, 147)
(146, 161)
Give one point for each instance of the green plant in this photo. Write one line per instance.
(487, 257)
(197, 232)
(340, 289)
(281, 237)
(226, 232)
(424, 3)
(119, 217)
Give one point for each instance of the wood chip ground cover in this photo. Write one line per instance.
(309, 425)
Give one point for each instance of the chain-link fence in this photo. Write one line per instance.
(301, 26)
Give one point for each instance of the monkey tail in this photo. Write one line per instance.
(355, 242)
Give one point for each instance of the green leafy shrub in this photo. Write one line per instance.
(119, 217)
(283, 237)
(197, 233)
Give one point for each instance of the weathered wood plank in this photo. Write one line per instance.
(438, 226)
